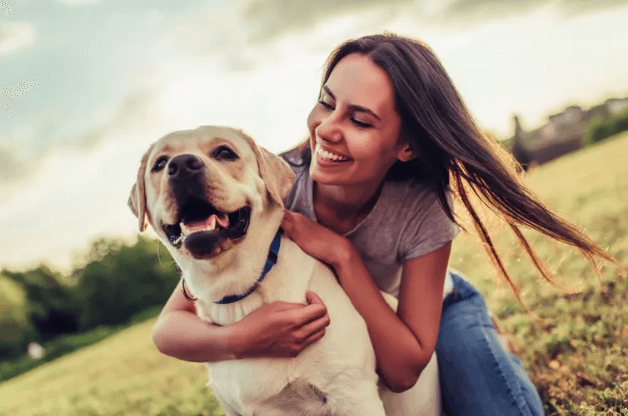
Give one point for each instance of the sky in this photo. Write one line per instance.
(87, 85)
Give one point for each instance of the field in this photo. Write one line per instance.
(577, 352)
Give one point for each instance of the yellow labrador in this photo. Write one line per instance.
(215, 200)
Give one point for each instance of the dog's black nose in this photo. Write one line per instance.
(184, 167)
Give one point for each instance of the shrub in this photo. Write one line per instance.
(16, 330)
(602, 128)
(51, 307)
(121, 280)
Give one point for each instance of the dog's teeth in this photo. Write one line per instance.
(210, 225)
(223, 221)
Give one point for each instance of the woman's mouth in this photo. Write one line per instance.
(330, 157)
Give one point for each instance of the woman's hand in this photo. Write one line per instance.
(316, 240)
(281, 329)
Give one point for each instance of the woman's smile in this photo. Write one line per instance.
(329, 157)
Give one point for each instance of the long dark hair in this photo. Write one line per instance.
(451, 150)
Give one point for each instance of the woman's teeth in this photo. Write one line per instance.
(330, 156)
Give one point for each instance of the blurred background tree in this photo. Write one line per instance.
(604, 127)
(119, 280)
(115, 281)
(51, 305)
(16, 330)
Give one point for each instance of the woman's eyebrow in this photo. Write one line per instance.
(328, 91)
(353, 107)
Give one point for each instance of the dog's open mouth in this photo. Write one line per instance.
(203, 228)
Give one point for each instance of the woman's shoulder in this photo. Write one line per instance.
(412, 194)
(424, 223)
(298, 195)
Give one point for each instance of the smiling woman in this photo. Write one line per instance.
(387, 136)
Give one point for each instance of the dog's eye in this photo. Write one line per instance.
(224, 153)
(160, 164)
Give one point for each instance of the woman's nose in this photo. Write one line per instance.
(329, 129)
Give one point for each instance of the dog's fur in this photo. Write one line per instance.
(335, 375)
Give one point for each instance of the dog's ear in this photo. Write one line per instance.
(137, 199)
(277, 175)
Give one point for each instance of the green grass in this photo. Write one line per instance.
(68, 343)
(122, 375)
(578, 356)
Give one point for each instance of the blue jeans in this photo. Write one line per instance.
(478, 376)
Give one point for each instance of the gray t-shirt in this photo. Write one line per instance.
(406, 222)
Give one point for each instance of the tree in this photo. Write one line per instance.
(16, 331)
(52, 308)
(120, 280)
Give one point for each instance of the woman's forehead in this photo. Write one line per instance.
(358, 80)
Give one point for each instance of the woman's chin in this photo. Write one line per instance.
(322, 175)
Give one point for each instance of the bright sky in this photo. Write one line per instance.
(87, 85)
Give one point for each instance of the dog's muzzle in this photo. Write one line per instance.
(186, 175)
(203, 229)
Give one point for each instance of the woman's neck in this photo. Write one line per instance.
(341, 208)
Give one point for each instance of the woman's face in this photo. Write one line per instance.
(354, 128)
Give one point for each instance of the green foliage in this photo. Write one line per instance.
(52, 307)
(15, 328)
(120, 280)
(602, 128)
(116, 281)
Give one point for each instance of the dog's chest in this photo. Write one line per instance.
(227, 314)
(271, 384)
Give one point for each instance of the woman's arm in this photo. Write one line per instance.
(403, 342)
(278, 329)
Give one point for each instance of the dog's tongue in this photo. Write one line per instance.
(209, 223)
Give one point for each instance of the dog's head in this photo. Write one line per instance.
(202, 190)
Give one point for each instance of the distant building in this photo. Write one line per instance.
(563, 133)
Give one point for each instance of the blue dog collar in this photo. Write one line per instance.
(270, 262)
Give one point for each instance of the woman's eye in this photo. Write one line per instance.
(325, 105)
(360, 123)
(224, 153)
(160, 164)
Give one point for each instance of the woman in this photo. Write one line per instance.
(388, 133)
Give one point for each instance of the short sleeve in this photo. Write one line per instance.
(429, 229)
(298, 170)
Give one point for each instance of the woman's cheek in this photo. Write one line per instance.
(313, 120)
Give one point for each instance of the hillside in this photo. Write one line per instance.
(578, 356)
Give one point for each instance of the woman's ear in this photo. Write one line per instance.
(406, 153)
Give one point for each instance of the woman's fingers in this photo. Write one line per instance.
(312, 298)
(284, 329)
(313, 337)
(310, 329)
(315, 309)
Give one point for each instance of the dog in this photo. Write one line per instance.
(214, 198)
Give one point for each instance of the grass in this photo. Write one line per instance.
(68, 343)
(577, 356)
